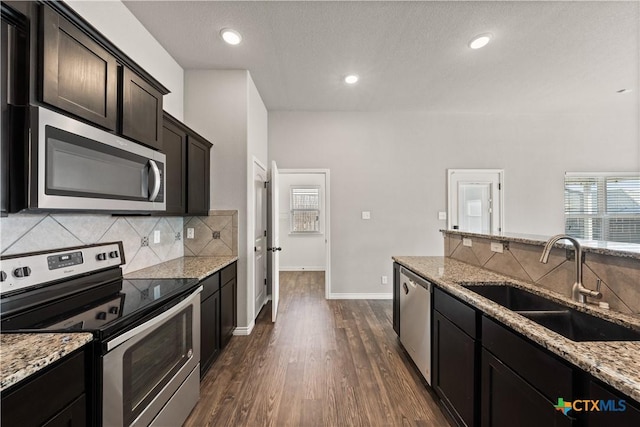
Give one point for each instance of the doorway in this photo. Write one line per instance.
(475, 200)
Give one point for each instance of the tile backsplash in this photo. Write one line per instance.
(27, 232)
(620, 276)
(213, 235)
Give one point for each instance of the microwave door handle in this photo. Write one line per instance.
(154, 180)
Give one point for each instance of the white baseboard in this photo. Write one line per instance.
(245, 330)
(311, 268)
(334, 295)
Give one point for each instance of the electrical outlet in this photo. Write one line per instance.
(190, 233)
(497, 247)
(156, 236)
(384, 280)
(144, 241)
(366, 215)
(467, 242)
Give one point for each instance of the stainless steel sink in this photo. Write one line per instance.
(566, 321)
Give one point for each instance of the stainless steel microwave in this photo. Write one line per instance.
(75, 166)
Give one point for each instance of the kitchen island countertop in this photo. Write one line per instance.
(22, 355)
(616, 363)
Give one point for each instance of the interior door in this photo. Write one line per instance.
(475, 200)
(260, 239)
(275, 241)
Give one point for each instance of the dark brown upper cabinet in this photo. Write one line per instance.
(174, 146)
(78, 75)
(187, 168)
(141, 110)
(82, 73)
(198, 175)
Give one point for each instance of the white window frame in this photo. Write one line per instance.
(601, 205)
(293, 210)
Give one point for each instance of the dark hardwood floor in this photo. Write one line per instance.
(323, 363)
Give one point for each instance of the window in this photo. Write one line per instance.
(602, 206)
(305, 210)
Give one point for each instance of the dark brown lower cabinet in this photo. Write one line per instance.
(615, 412)
(508, 400)
(396, 298)
(454, 369)
(209, 331)
(54, 397)
(228, 304)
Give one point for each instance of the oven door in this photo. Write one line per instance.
(144, 368)
(80, 167)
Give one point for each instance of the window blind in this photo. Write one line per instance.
(305, 210)
(602, 207)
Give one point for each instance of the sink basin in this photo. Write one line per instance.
(515, 299)
(566, 321)
(579, 326)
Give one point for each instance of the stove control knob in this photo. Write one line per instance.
(22, 272)
(3, 276)
(114, 310)
(101, 257)
(102, 315)
(113, 254)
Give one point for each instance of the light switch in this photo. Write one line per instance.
(156, 236)
(190, 233)
(366, 215)
(442, 215)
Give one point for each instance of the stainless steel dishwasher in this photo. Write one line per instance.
(415, 320)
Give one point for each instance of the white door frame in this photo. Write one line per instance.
(327, 215)
(500, 173)
(252, 312)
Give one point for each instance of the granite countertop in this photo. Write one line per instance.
(616, 363)
(189, 267)
(619, 249)
(22, 355)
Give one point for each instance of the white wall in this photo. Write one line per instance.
(120, 26)
(301, 251)
(393, 164)
(225, 107)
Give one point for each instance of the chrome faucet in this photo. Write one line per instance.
(578, 291)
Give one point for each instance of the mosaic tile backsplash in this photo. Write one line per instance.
(26, 232)
(620, 276)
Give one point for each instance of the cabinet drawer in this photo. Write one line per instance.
(228, 273)
(210, 285)
(458, 312)
(43, 397)
(542, 370)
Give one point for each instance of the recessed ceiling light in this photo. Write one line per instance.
(624, 91)
(351, 79)
(231, 36)
(480, 41)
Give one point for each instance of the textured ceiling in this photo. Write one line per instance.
(413, 56)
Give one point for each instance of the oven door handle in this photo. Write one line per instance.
(153, 322)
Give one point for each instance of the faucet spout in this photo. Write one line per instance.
(578, 291)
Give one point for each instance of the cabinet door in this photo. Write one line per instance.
(174, 146)
(78, 75)
(209, 331)
(141, 110)
(508, 400)
(617, 414)
(197, 176)
(228, 301)
(396, 298)
(74, 415)
(454, 369)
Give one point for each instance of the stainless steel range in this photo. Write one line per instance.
(147, 331)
